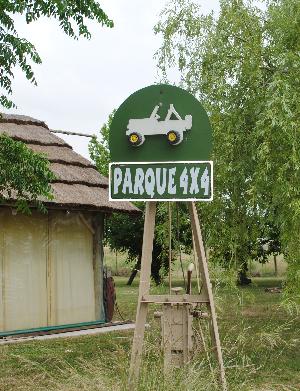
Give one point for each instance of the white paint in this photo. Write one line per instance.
(184, 180)
(127, 184)
(152, 126)
(138, 182)
(205, 182)
(171, 184)
(117, 179)
(150, 182)
(161, 185)
(194, 189)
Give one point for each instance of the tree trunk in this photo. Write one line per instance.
(134, 271)
(156, 265)
(275, 265)
(242, 275)
(116, 263)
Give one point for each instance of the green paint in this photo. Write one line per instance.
(196, 144)
(49, 328)
(161, 181)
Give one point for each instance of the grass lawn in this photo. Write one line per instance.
(260, 340)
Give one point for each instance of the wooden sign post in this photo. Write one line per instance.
(160, 143)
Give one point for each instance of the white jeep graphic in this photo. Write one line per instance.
(172, 128)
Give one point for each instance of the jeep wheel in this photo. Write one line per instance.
(136, 139)
(174, 137)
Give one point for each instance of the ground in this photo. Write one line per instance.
(260, 337)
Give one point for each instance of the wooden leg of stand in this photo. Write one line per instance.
(167, 338)
(207, 287)
(137, 345)
(138, 339)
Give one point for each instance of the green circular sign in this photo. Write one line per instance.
(160, 123)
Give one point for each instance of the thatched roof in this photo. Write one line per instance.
(78, 184)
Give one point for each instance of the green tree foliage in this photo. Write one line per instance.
(24, 175)
(124, 233)
(99, 151)
(243, 64)
(17, 51)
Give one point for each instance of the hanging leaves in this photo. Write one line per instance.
(243, 64)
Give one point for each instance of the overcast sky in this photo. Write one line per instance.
(81, 82)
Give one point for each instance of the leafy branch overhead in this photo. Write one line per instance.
(17, 51)
(25, 176)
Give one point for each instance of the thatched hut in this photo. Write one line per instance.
(51, 265)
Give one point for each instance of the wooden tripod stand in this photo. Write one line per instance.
(206, 296)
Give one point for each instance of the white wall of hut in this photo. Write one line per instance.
(51, 268)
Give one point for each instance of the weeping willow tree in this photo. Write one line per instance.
(243, 64)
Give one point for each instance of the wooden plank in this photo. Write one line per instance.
(144, 287)
(185, 334)
(196, 263)
(207, 286)
(174, 299)
(170, 246)
(190, 335)
(167, 337)
(73, 133)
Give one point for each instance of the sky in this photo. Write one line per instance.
(81, 82)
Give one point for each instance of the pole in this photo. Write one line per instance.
(207, 287)
(144, 288)
(170, 247)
